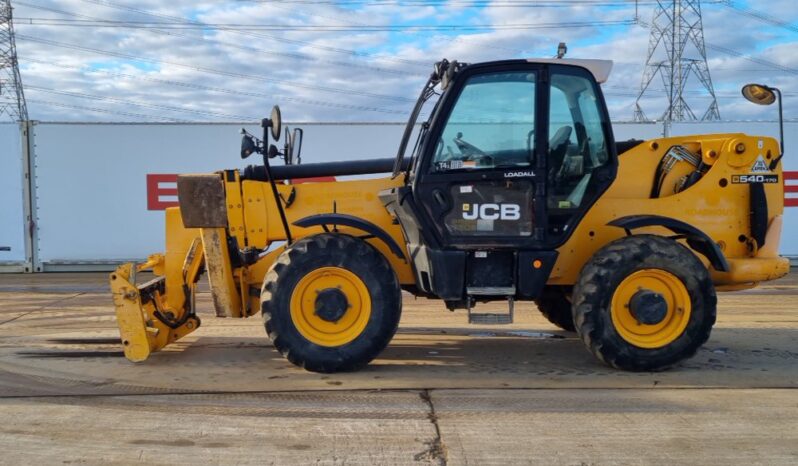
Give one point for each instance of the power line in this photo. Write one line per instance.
(745, 56)
(230, 74)
(222, 27)
(223, 90)
(762, 16)
(104, 110)
(308, 44)
(204, 39)
(457, 3)
(316, 27)
(315, 102)
(138, 103)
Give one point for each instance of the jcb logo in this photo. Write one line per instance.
(491, 211)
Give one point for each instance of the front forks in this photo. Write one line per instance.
(147, 323)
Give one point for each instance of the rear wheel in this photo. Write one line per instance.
(644, 303)
(554, 303)
(331, 303)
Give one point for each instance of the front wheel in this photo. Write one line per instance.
(644, 303)
(331, 303)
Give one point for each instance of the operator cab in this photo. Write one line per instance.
(512, 155)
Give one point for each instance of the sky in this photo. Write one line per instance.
(352, 60)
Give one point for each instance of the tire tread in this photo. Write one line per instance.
(611, 264)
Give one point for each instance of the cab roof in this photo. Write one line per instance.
(600, 69)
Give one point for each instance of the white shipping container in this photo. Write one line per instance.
(91, 180)
(12, 217)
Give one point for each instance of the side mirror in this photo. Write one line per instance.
(248, 146)
(293, 144)
(276, 123)
(296, 144)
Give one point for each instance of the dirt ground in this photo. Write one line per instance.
(444, 392)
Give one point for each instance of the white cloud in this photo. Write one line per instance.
(352, 76)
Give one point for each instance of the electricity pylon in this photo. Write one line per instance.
(12, 97)
(676, 51)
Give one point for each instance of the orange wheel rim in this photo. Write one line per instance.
(354, 316)
(676, 318)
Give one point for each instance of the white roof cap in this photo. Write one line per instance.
(599, 68)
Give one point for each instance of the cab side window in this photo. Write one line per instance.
(491, 125)
(577, 144)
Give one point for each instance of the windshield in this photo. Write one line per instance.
(491, 125)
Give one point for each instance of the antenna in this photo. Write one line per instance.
(12, 98)
(676, 51)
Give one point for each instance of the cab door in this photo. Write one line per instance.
(581, 159)
(482, 173)
(518, 154)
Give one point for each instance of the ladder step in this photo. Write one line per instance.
(491, 291)
(490, 319)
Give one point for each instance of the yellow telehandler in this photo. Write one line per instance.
(515, 189)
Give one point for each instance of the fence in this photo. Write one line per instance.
(95, 191)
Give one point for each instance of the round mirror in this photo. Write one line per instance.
(277, 124)
(759, 94)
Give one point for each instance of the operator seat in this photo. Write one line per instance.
(558, 147)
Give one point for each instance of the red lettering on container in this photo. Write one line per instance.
(164, 185)
(790, 188)
(160, 185)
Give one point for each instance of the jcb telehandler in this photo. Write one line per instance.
(515, 190)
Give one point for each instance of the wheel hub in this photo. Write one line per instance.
(648, 307)
(331, 304)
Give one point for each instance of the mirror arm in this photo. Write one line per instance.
(277, 199)
(265, 124)
(297, 132)
(776, 161)
(781, 123)
(288, 150)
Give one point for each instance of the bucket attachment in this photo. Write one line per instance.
(147, 320)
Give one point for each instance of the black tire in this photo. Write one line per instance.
(555, 304)
(345, 252)
(605, 271)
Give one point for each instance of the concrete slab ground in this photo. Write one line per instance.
(444, 392)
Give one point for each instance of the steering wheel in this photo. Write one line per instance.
(468, 150)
